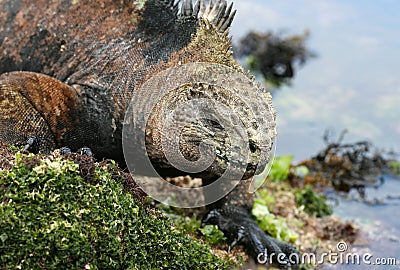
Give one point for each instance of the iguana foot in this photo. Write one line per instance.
(65, 151)
(240, 228)
(85, 151)
(31, 144)
(82, 151)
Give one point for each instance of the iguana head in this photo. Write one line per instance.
(210, 120)
(206, 120)
(204, 115)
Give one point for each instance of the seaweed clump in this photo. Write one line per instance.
(346, 165)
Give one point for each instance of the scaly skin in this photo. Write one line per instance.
(70, 68)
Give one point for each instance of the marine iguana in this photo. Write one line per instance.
(69, 70)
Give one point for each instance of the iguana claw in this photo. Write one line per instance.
(31, 144)
(240, 228)
(65, 150)
(85, 151)
(82, 151)
(240, 235)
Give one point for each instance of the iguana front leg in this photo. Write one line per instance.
(240, 228)
(33, 104)
(232, 216)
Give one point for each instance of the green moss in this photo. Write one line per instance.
(50, 217)
(186, 224)
(313, 203)
(212, 234)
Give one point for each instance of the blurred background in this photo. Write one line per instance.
(352, 82)
(341, 73)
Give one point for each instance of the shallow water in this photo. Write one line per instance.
(353, 84)
(379, 221)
